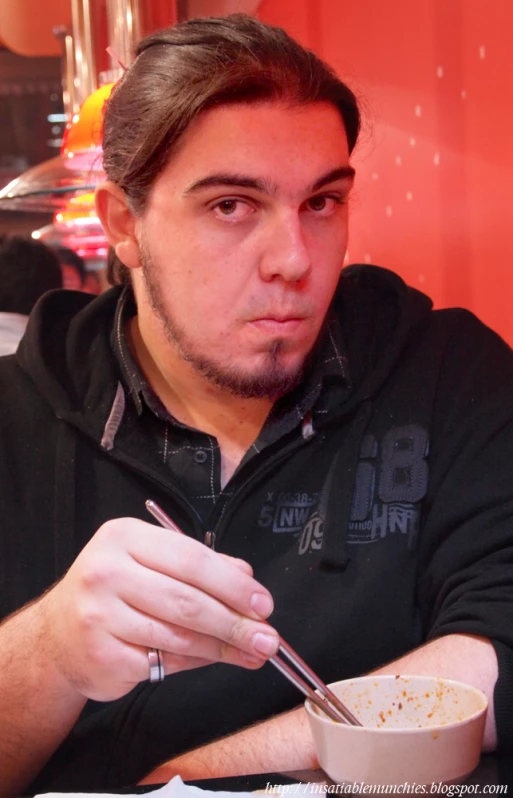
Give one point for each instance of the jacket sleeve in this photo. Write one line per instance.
(466, 544)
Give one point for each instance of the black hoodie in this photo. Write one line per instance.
(383, 520)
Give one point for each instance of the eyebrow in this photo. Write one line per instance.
(342, 173)
(265, 186)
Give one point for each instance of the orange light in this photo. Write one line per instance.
(81, 207)
(85, 129)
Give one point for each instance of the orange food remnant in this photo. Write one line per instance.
(435, 735)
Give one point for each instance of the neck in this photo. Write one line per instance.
(234, 421)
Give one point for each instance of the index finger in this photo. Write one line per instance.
(187, 560)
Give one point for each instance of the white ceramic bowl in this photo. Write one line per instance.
(416, 729)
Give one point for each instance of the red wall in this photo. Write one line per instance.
(434, 193)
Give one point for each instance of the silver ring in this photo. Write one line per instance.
(156, 663)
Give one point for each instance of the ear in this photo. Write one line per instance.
(118, 222)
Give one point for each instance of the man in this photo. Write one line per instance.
(27, 270)
(331, 448)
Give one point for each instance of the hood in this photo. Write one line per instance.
(67, 352)
(378, 314)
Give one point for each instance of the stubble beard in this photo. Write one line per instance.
(272, 379)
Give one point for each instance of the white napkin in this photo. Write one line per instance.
(173, 789)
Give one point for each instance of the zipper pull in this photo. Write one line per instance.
(210, 540)
(307, 427)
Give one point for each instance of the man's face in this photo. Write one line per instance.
(242, 242)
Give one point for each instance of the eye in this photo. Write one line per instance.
(323, 204)
(232, 210)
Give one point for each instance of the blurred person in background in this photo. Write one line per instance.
(28, 269)
(73, 268)
(75, 276)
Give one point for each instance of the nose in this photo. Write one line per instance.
(286, 253)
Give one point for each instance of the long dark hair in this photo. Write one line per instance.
(184, 70)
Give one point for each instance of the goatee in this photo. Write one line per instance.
(271, 380)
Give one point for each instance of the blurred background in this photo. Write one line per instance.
(434, 190)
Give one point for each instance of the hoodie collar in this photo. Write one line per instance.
(67, 350)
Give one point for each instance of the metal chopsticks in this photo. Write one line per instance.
(324, 699)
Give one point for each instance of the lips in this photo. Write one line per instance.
(280, 319)
(282, 325)
(281, 316)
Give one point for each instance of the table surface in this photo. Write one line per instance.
(491, 771)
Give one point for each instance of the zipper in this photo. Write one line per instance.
(209, 540)
(239, 494)
(242, 491)
(210, 536)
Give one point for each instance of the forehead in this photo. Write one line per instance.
(288, 146)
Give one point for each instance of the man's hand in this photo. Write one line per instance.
(136, 586)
